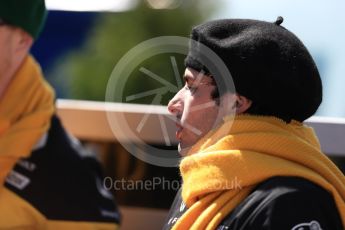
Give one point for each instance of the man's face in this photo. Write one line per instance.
(194, 108)
(5, 47)
(7, 56)
(14, 46)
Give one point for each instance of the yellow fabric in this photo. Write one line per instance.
(255, 149)
(16, 213)
(25, 112)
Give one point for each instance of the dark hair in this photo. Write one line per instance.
(215, 92)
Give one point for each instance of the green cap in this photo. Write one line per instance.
(29, 15)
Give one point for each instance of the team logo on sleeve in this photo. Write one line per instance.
(313, 225)
(17, 180)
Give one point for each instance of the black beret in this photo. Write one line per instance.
(268, 64)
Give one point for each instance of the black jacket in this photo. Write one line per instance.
(284, 203)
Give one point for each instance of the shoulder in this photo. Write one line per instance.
(63, 181)
(284, 203)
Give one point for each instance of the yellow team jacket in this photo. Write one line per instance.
(59, 186)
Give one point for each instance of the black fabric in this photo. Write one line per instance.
(284, 203)
(64, 184)
(268, 64)
(176, 211)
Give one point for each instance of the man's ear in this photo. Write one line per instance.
(242, 104)
(233, 103)
(24, 41)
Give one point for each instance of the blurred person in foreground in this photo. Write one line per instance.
(48, 181)
(267, 171)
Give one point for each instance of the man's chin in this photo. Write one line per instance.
(183, 150)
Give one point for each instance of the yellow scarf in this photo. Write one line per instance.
(25, 112)
(255, 149)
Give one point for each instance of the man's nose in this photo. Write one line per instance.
(175, 105)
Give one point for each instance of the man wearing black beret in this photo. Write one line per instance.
(253, 164)
(47, 180)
